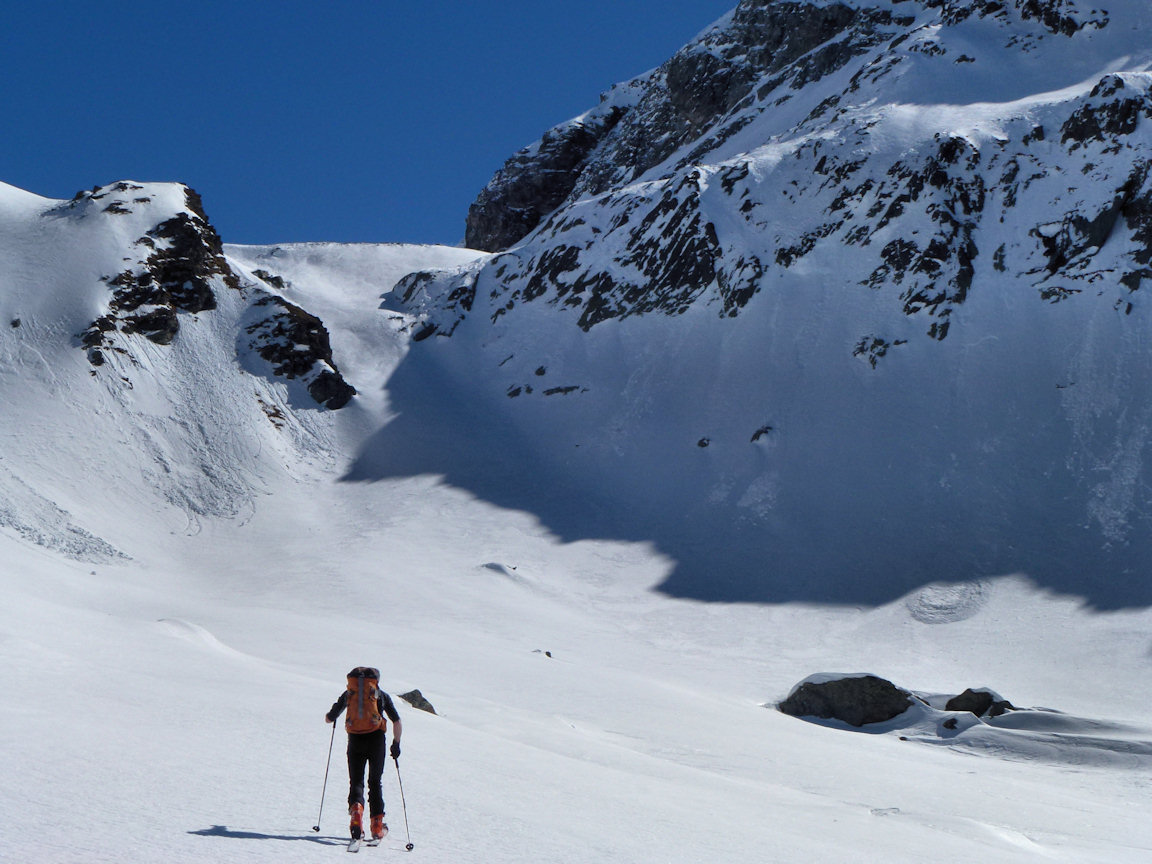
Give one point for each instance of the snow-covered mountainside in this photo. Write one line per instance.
(840, 311)
(844, 295)
(121, 307)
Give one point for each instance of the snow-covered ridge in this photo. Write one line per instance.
(757, 66)
(126, 319)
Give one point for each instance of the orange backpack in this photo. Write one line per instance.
(363, 712)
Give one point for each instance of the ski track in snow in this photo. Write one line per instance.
(945, 604)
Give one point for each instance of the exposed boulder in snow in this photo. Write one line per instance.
(981, 702)
(416, 699)
(860, 700)
(855, 699)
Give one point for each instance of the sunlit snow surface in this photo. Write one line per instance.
(195, 553)
(169, 641)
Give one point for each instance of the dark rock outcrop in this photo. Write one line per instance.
(534, 182)
(416, 699)
(296, 344)
(176, 276)
(711, 89)
(1060, 17)
(180, 265)
(856, 700)
(982, 703)
(642, 123)
(615, 213)
(1113, 111)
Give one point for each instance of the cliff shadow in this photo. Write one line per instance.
(846, 533)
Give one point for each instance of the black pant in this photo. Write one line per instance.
(366, 748)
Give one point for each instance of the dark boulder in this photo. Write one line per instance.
(160, 325)
(982, 703)
(856, 700)
(416, 699)
(331, 390)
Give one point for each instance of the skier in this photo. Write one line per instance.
(369, 710)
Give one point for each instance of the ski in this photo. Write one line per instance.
(354, 844)
(375, 841)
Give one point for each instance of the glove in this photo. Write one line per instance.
(395, 749)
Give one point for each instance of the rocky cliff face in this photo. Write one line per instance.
(177, 259)
(838, 271)
(175, 270)
(536, 181)
(766, 46)
(296, 345)
(758, 57)
(675, 190)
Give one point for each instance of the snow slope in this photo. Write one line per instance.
(851, 298)
(194, 557)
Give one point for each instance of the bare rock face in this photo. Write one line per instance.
(533, 183)
(856, 701)
(296, 344)
(181, 256)
(608, 214)
(641, 123)
(176, 269)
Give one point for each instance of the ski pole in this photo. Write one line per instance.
(404, 806)
(327, 765)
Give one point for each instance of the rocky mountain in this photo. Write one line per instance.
(808, 371)
(841, 287)
(842, 300)
(129, 321)
(674, 186)
(177, 266)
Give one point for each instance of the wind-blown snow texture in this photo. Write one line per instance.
(841, 311)
(895, 252)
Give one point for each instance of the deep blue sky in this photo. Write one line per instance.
(349, 121)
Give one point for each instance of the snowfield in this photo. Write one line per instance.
(166, 667)
(605, 554)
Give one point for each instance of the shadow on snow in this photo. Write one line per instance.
(849, 532)
(225, 831)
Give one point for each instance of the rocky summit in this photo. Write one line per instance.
(177, 268)
(791, 129)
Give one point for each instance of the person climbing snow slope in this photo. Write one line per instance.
(368, 711)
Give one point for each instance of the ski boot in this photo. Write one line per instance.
(356, 826)
(379, 828)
